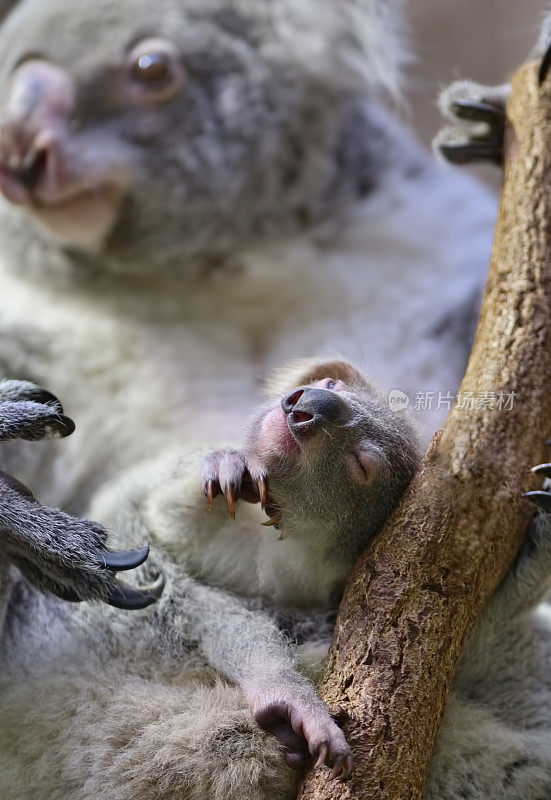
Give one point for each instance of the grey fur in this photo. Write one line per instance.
(162, 703)
(221, 610)
(281, 191)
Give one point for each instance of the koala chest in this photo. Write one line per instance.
(250, 560)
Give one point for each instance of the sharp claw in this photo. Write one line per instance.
(263, 492)
(230, 497)
(62, 427)
(130, 599)
(543, 469)
(540, 499)
(544, 66)
(321, 756)
(120, 560)
(477, 111)
(465, 152)
(47, 399)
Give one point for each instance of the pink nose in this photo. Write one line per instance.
(33, 123)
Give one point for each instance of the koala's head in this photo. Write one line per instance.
(164, 135)
(338, 458)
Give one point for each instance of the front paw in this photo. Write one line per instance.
(31, 413)
(64, 555)
(306, 730)
(478, 116)
(236, 475)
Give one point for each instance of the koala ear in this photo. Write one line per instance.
(347, 43)
(307, 370)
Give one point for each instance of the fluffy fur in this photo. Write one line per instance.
(143, 705)
(270, 209)
(167, 702)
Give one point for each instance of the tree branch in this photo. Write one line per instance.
(415, 595)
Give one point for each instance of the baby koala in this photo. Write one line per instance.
(226, 615)
(328, 460)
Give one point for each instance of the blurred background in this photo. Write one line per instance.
(480, 39)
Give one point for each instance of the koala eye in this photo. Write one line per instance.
(330, 383)
(152, 68)
(155, 69)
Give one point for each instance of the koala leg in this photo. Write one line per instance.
(478, 116)
(195, 743)
(100, 735)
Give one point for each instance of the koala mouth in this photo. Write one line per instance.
(82, 217)
(71, 209)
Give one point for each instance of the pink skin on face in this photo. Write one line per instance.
(275, 436)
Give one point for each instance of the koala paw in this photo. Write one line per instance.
(29, 412)
(64, 555)
(478, 116)
(307, 731)
(235, 475)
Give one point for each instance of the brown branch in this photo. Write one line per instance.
(415, 595)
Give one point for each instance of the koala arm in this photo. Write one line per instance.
(163, 502)
(243, 642)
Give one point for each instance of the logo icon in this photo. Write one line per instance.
(398, 400)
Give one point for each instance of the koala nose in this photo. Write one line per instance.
(33, 123)
(306, 408)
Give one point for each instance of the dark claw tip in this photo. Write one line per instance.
(478, 111)
(66, 426)
(543, 469)
(47, 399)
(120, 560)
(544, 66)
(130, 599)
(465, 152)
(540, 499)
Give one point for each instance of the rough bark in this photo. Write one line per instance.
(415, 595)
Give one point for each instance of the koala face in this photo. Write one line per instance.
(338, 458)
(169, 133)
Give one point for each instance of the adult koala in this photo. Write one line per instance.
(199, 191)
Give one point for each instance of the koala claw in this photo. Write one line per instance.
(130, 599)
(466, 152)
(122, 596)
(540, 499)
(231, 473)
(306, 734)
(478, 116)
(120, 560)
(29, 412)
(477, 111)
(543, 469)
